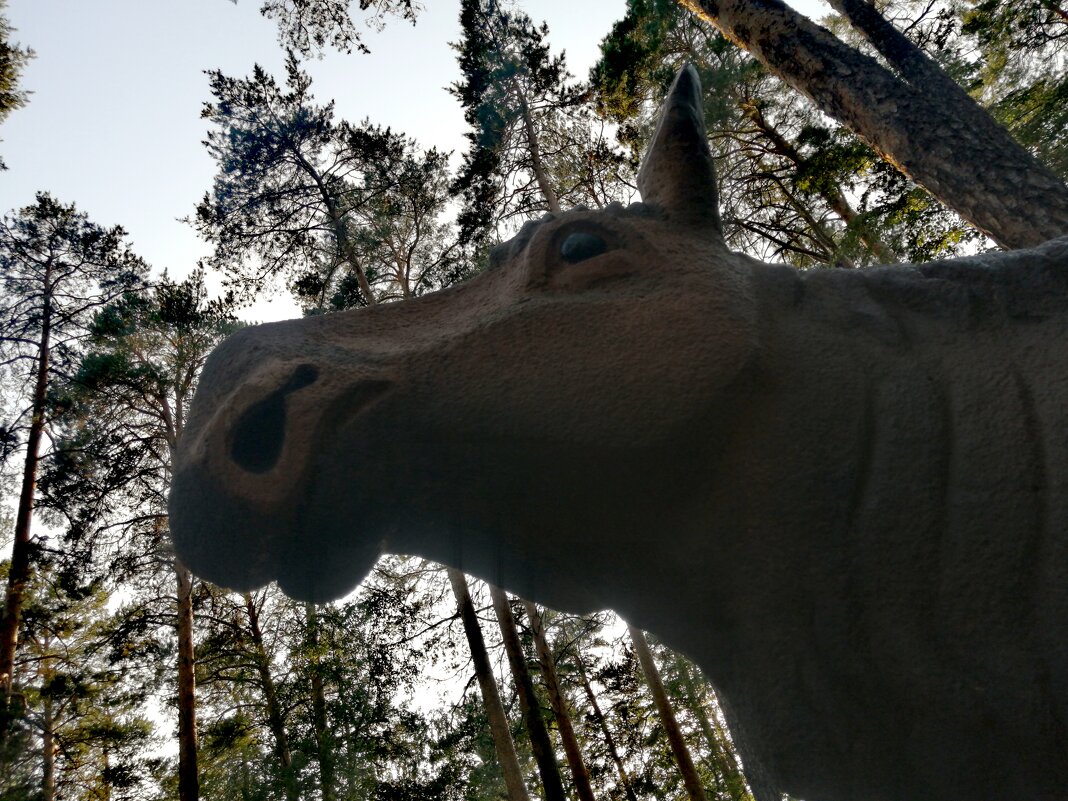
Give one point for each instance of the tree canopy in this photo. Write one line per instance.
(125, 677)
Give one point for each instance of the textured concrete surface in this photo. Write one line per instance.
(844, 493)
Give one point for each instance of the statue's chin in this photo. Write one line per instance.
(326, 571)
(221, 539)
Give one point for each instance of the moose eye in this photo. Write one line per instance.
(581, 245)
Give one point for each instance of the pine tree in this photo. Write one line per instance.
(532, 146)
(963, 157)
(793, 187)
(131, 394)
(332, 207)
(498, 722)
(57, 268)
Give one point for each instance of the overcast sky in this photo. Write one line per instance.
(114, 125)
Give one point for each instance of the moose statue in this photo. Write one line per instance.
(844, 493)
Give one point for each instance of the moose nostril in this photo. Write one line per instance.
(304, 375)
(260, 432)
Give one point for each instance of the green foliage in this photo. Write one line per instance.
(793, 186)
(83, 689)
(56, 263)
(531, 133)
(1022, 70)
(57, 270)
(13, 60)
(309, 26)
(324, 203)
(124, 407)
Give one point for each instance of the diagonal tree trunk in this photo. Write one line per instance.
(910, 62)
(967, 161)
(679, 749)
(579, 774)
(528, 701)
(715, 737)
(606, 732)
(19, 572)
(502, 735)
(535, 157)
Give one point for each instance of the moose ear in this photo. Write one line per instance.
(677, 173)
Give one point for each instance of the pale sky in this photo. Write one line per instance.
(114, 125)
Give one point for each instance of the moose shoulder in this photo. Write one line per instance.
(844, 493)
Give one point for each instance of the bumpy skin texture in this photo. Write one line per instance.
(844, 493)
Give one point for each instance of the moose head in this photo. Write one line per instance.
(842, 492)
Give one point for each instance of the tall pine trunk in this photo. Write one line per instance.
(679, 749)
(579, 774)
(540, 743)
(324, 740)
(966, 160)
(491, 698)
(606, 732)
(188, 775)
(19, 573)
(715, 737)
(275, 719)
(536, 161)
(48, 752)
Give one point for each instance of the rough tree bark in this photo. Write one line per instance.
(502, 735)
(540, 744)
(188, 777)
(679, 749)
(579, 774)
(973, 167)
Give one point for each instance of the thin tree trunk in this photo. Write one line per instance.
(275, 720)
(337, 223)
(834, 198)
(910, 61)
(535, 158)
(502, 735)
(667, 716)
(19, 572)
(324, 741)
(718, 745)
(540, 743)
(579, 774)
(105, 781)
(48, 753)
(188, 776)
(610, 741)
(976, 169)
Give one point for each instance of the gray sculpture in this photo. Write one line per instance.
(843, 493)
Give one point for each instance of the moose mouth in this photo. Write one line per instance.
(238, 538)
